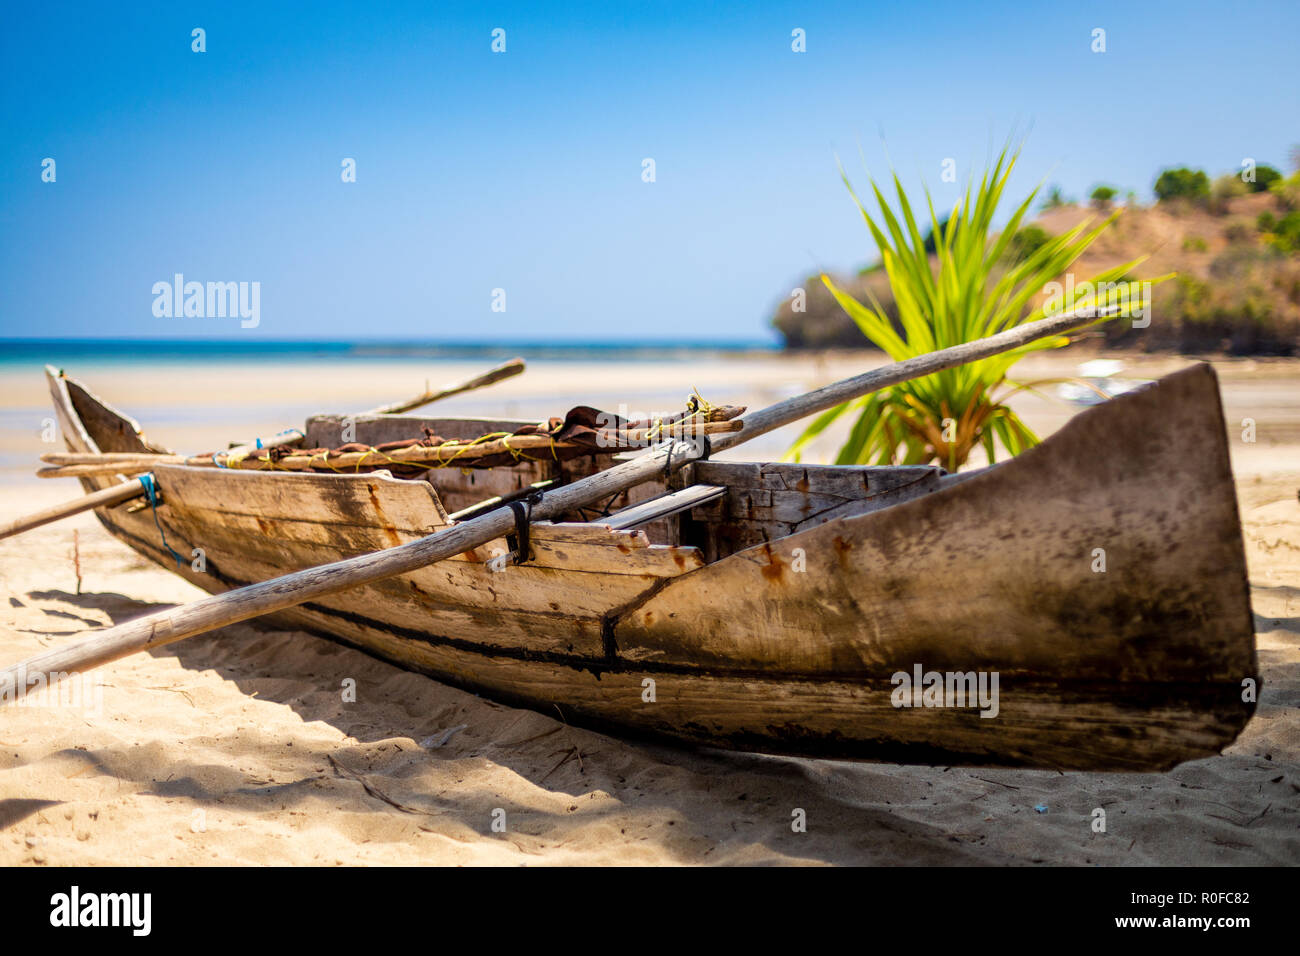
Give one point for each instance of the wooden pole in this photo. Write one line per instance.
(98, 499)
(164, 627)
(828, 396)
(461, 454)
(289, 438)
(501, 372)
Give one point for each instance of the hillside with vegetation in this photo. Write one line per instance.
(1234, 246)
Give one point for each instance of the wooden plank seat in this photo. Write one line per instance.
(664, 506)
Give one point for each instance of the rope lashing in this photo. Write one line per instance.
(518, 542)
(518, 454)
(450, 453)
(698, 403)
(151, 492)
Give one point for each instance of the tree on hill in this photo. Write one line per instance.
(1025, 242)
(1101, 196)
(1182, 183)
(1265, 176)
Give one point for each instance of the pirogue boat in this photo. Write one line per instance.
(1093, 588)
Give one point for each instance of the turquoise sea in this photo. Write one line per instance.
(84, 352)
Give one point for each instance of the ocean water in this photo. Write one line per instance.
(91, 352)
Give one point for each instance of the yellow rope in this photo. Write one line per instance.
(696, 405)
(461, 448)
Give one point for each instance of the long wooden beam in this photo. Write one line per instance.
(828, 396)
(105, 498)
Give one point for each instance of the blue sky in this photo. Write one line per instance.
(522, 170)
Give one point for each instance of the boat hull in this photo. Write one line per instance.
(1100, 578)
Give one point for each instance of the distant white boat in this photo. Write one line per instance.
(1099, 373)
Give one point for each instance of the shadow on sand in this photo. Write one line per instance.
(679, 797)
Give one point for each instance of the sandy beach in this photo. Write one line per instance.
(237, 747)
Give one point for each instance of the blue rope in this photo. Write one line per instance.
(151, 491)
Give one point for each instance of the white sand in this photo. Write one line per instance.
(237, 747)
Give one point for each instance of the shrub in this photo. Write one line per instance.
(1283, 234)
(1287, 192)
(1265, 176)
(1182, 183)
(1191, 295)
(970, 295)
(1194, 244)
(1025, 242)
(1102, 195)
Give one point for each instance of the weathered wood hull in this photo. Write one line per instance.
(794, 645)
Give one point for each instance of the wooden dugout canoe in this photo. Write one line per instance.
(769, 607)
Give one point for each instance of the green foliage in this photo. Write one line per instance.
(1103, 194)
(1287, 192)
(1192, 296)
(1230, 185)
(1265, 176)
(1246, 305)
(1283, 234)
(1026, 242)
(1182, 183)
(973, 293)
(1194, 244)
(931, 236)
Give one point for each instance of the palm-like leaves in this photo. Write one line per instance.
(974, 292)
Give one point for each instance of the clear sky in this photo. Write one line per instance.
(522, 170)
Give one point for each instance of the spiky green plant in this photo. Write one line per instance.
(973, 289)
